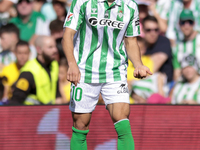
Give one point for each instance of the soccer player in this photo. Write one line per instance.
(99, 37)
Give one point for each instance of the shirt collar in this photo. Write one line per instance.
(118, 2)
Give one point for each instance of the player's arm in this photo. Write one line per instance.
(73, 21)
(5, 5)
(22, 88)
(133, 53)
(73, 73)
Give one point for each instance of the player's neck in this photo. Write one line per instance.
(110, 2)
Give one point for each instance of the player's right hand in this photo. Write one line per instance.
(73, 74)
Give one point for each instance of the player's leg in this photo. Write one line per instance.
(119, 113)
(83, 100)
(116, 98)
(80, 130)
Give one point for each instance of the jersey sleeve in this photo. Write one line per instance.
(133, 28)
(75, 15)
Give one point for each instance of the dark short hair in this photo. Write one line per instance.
(22, 43)
(149, 18)
(56, 25)
(9, 28)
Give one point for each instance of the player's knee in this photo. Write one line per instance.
(120, 116)
(80, 125)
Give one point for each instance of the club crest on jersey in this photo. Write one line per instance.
(70, 16)
(120, 14)
(106, 22)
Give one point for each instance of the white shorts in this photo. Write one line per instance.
(84, 97)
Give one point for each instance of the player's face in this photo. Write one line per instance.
(187, 27)
(62, 73)
(24, 7)
(151, 31)
(22, 54)
(49, 50)
(189, 73)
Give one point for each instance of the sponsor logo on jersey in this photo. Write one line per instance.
(106, 22)
(123, 89)
(69, 17)
(137, 22)
(120, 13)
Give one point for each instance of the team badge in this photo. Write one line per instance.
(120, 13)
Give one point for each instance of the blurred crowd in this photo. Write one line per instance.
(31, 33)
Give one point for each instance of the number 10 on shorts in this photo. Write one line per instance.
(76, 93)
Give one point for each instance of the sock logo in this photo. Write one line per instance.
(106, 22)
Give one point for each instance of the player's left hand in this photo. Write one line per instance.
(141, 72)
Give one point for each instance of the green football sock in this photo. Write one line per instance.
(125, 138)
(78, 140)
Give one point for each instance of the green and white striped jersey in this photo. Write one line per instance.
(98, 44)
(183, 48)
(186, 91)
(146, 87)
(174, 31)
(164, 8)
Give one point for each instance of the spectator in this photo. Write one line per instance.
(189, 45)
(158, 47)
(160, 10)
(38, 81)
(56, 28)
(12, 71)
(143, 89)
(60, 9)
(9, 35)
(188, 91)
(30, 22)
(64, 85)
(174, 32)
